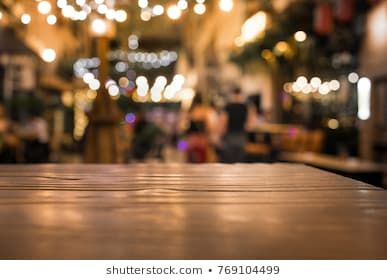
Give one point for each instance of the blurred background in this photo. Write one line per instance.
(120, 81)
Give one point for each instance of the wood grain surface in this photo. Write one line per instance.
(177, 211)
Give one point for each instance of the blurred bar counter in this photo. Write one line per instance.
(354, 168)
(182, 211)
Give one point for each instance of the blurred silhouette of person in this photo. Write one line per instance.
(201, 131)
(9, 142)
(234, 119)
(148, 139)
(36, 138)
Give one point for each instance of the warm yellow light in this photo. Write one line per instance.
(179, 80)
(143, 3)
(156, 96)
(91, 94)
(302, 81)
(334, 85)
(68, 11)
(121, 16)
(324, 88)
(169, 93)
(300, 36)
(267, 54)
(61, 3)
(186, 97)
(80, 2)
(296, 87)
(158, 10)
(142, 90)
(123, 82)
(281, 47)
(307, 89)
(161, 81)
(67, 98)
(353, 77)
(114, 90)
(199, 8)
(94, 84)
(82, 15)
(141, 80)
(110, 14)
(333, 124)
(182, 4)
(88, 77)
(315, 82)
(146, 15)
(226, 5)
(44, 7)
(253, 26)
(51, 19)
(25, 18)
(99, 27)
(174, 12)
(48, 55)
(102, 9)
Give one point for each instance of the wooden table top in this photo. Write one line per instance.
(177, 211)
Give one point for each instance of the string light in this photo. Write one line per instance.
(324, 88)
(334, 85)
(110, 14)
(114, 90)
(121, 16)
(300, 36)
(99, 26)
(182, 4)
(315, 85)
(146, 15)
(51, 19)
(226, 5)
(44, 7)
(80, 2)
(199, 8)
(158, 10)
(102, 9)
(61, 4)
(94, 84)
(25, 19)
(48, 55)
(353, 77)
(143, 3)
(174, 12)
(88, 77)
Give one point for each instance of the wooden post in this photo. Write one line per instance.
(102, 139)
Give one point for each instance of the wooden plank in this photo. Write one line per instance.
(173, 211)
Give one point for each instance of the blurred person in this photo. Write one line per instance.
(148, 139)
(35, 135)
(9, 142)
(201, 132)
(234, 120)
